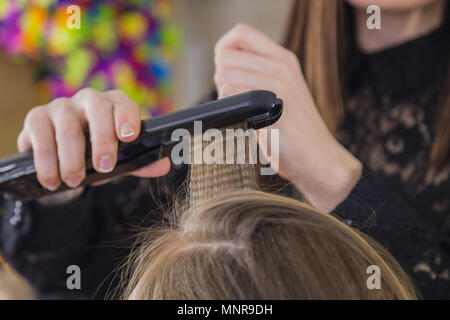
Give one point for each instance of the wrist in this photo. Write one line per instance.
(332, 179)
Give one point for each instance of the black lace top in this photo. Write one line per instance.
(394, 102)
(396, 96)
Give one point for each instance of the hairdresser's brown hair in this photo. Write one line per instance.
(228, 240)
(318, 33)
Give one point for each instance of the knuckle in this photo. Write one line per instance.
(34, 114)
(235, 32)
(59, 105)
(85, 93)
(98, 102)
(240, 27)
(128, 107)
(89, 98)
(119, 94)
(243, 30)
(62, 101)
(116, 91)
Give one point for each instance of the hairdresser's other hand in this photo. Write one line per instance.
(310, 157)
(55, 133)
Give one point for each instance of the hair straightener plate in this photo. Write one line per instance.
(258, 109)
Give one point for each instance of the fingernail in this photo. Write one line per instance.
(52, 186)
(127, 130)
(73, 182)
(106, 163)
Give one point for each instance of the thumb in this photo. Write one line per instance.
(158, 168)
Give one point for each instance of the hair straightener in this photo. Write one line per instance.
(258, 109)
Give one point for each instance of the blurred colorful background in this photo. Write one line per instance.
(159, 52)
(119, 44)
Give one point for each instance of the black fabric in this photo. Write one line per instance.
(387, 217)
(95, 232)
(393, 100)
(404, 69)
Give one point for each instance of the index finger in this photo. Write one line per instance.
(127, 116)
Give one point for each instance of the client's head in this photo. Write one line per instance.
(254, 245)
(232, 241)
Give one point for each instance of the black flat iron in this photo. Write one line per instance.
(258, 109)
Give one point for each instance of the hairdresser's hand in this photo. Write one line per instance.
(55, 133)
(310, 156)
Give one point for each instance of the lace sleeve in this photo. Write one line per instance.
(387, 217)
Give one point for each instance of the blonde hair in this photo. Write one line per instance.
(12, 285)
(232, 241)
